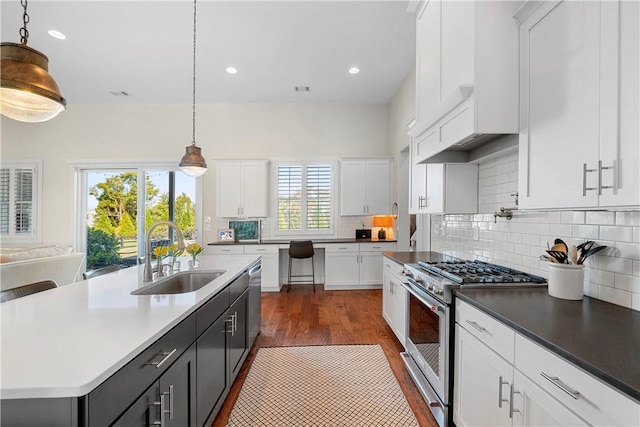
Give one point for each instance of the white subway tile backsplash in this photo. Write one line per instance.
(585, 231)
(600, 277)
(635, 302)
(627, 250)
(617, 233)
(628, 283)
(636, 234)
(560, 230)
(628, 218)
(615, 296)
(601, 218)
(591, 289)
(636, 268)
(616, 265)
(572, 217)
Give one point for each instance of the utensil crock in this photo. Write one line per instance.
(566, 281)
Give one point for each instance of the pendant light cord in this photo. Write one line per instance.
(193, 141)
(24, 33)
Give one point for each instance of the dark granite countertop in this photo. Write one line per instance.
(601, 338)
(413, 257)
(319, 241)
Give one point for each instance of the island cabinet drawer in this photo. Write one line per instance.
(225, 250)
(260, 249)
(238, 286)
(596, 402)
(111, 398)
(345, 247)
(211, 310)
(490, 331)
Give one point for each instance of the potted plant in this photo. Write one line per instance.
(175, 252)
(194, 249)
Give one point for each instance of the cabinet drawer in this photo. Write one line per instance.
(595, 401)
(494, 334)
(377, 247)
(392, 267)
(211, 310)
(261, 249)
(112, 397)
(238, 286)
(346, 247)
(226, 250)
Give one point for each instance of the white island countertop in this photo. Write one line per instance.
(66, 341)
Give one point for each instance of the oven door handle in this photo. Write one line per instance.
(434, 306)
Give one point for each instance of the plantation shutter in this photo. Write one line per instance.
(289, 198)
(17, 201)
(318, 197)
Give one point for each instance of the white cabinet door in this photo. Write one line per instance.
(481, 384)
(378, 187)
(428, 60)
(399, 309)
(532, 407)
(242, 189)
(365, 187)
(457, 41)
(255, 189)
(579, 105)
(387, 298)
(620, 130)
(452, 188)
(341, 269)
(417, 182)
(229, 189)
(353, 187)
(370, 270)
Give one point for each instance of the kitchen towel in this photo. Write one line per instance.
(340, 385)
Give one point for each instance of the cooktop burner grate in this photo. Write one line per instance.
(467, 272)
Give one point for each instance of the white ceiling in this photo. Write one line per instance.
(145, 48)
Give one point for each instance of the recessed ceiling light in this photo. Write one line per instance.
(232, 70)
(354, 70)
(57, 34)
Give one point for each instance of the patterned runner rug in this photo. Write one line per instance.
(341, 385)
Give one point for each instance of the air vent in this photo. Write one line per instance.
(118, 93)
(302, 88)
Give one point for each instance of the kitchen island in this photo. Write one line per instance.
(65, 343)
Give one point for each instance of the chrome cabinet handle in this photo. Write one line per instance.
(511, 409)
(170, 402)
(476, 325)
(166, 357)
(562, 386)
(500, 384)
(229, 320)
(159, 403)
(586, 170)
(600, 186)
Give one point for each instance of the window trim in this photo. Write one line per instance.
(36, 235)
(274, 210)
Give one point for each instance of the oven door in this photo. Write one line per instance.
(428, 338)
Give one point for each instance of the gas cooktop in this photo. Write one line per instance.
(470, 272)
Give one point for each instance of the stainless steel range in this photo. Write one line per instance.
(430, 324)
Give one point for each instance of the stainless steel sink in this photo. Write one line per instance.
(180, 283)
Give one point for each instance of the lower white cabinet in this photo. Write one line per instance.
(394, 298)
(354, 265)
(269, 259)
(507, 380)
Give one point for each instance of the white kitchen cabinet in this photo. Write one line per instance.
(451, 188)
(417, 183)
(365, 187)
(579, 123)
(466, 74)
(242, 189)
(394, 299)
(503, 379)
(270, 281)
(354, 265)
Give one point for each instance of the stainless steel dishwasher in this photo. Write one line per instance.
(255, 306)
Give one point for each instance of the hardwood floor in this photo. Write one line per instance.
(302, 317)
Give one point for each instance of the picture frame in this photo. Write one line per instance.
(226, 235)
(246, 230)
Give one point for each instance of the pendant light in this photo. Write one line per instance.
(28, 92)
(192, 162)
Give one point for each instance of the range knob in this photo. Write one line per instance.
(431, 287)
(438, 291)
(419, 280)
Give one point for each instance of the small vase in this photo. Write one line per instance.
(175, 265)
(194, 263)
(160, 273)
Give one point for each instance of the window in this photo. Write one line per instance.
(19, 203)
(305, 198)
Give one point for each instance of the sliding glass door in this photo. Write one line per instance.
(118, 206)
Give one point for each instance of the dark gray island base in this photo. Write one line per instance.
(601, 338)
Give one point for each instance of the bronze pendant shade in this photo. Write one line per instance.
(29, 93)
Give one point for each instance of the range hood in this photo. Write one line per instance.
(463, 130)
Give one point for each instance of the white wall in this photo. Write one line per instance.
(295, 131)
(613, 275)
(401, 113)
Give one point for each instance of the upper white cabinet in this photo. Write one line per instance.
(242, 188)
(466, 74)
(365, 186)
(579, 109)
(417, 183)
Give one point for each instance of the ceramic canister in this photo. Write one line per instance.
(566, 281)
